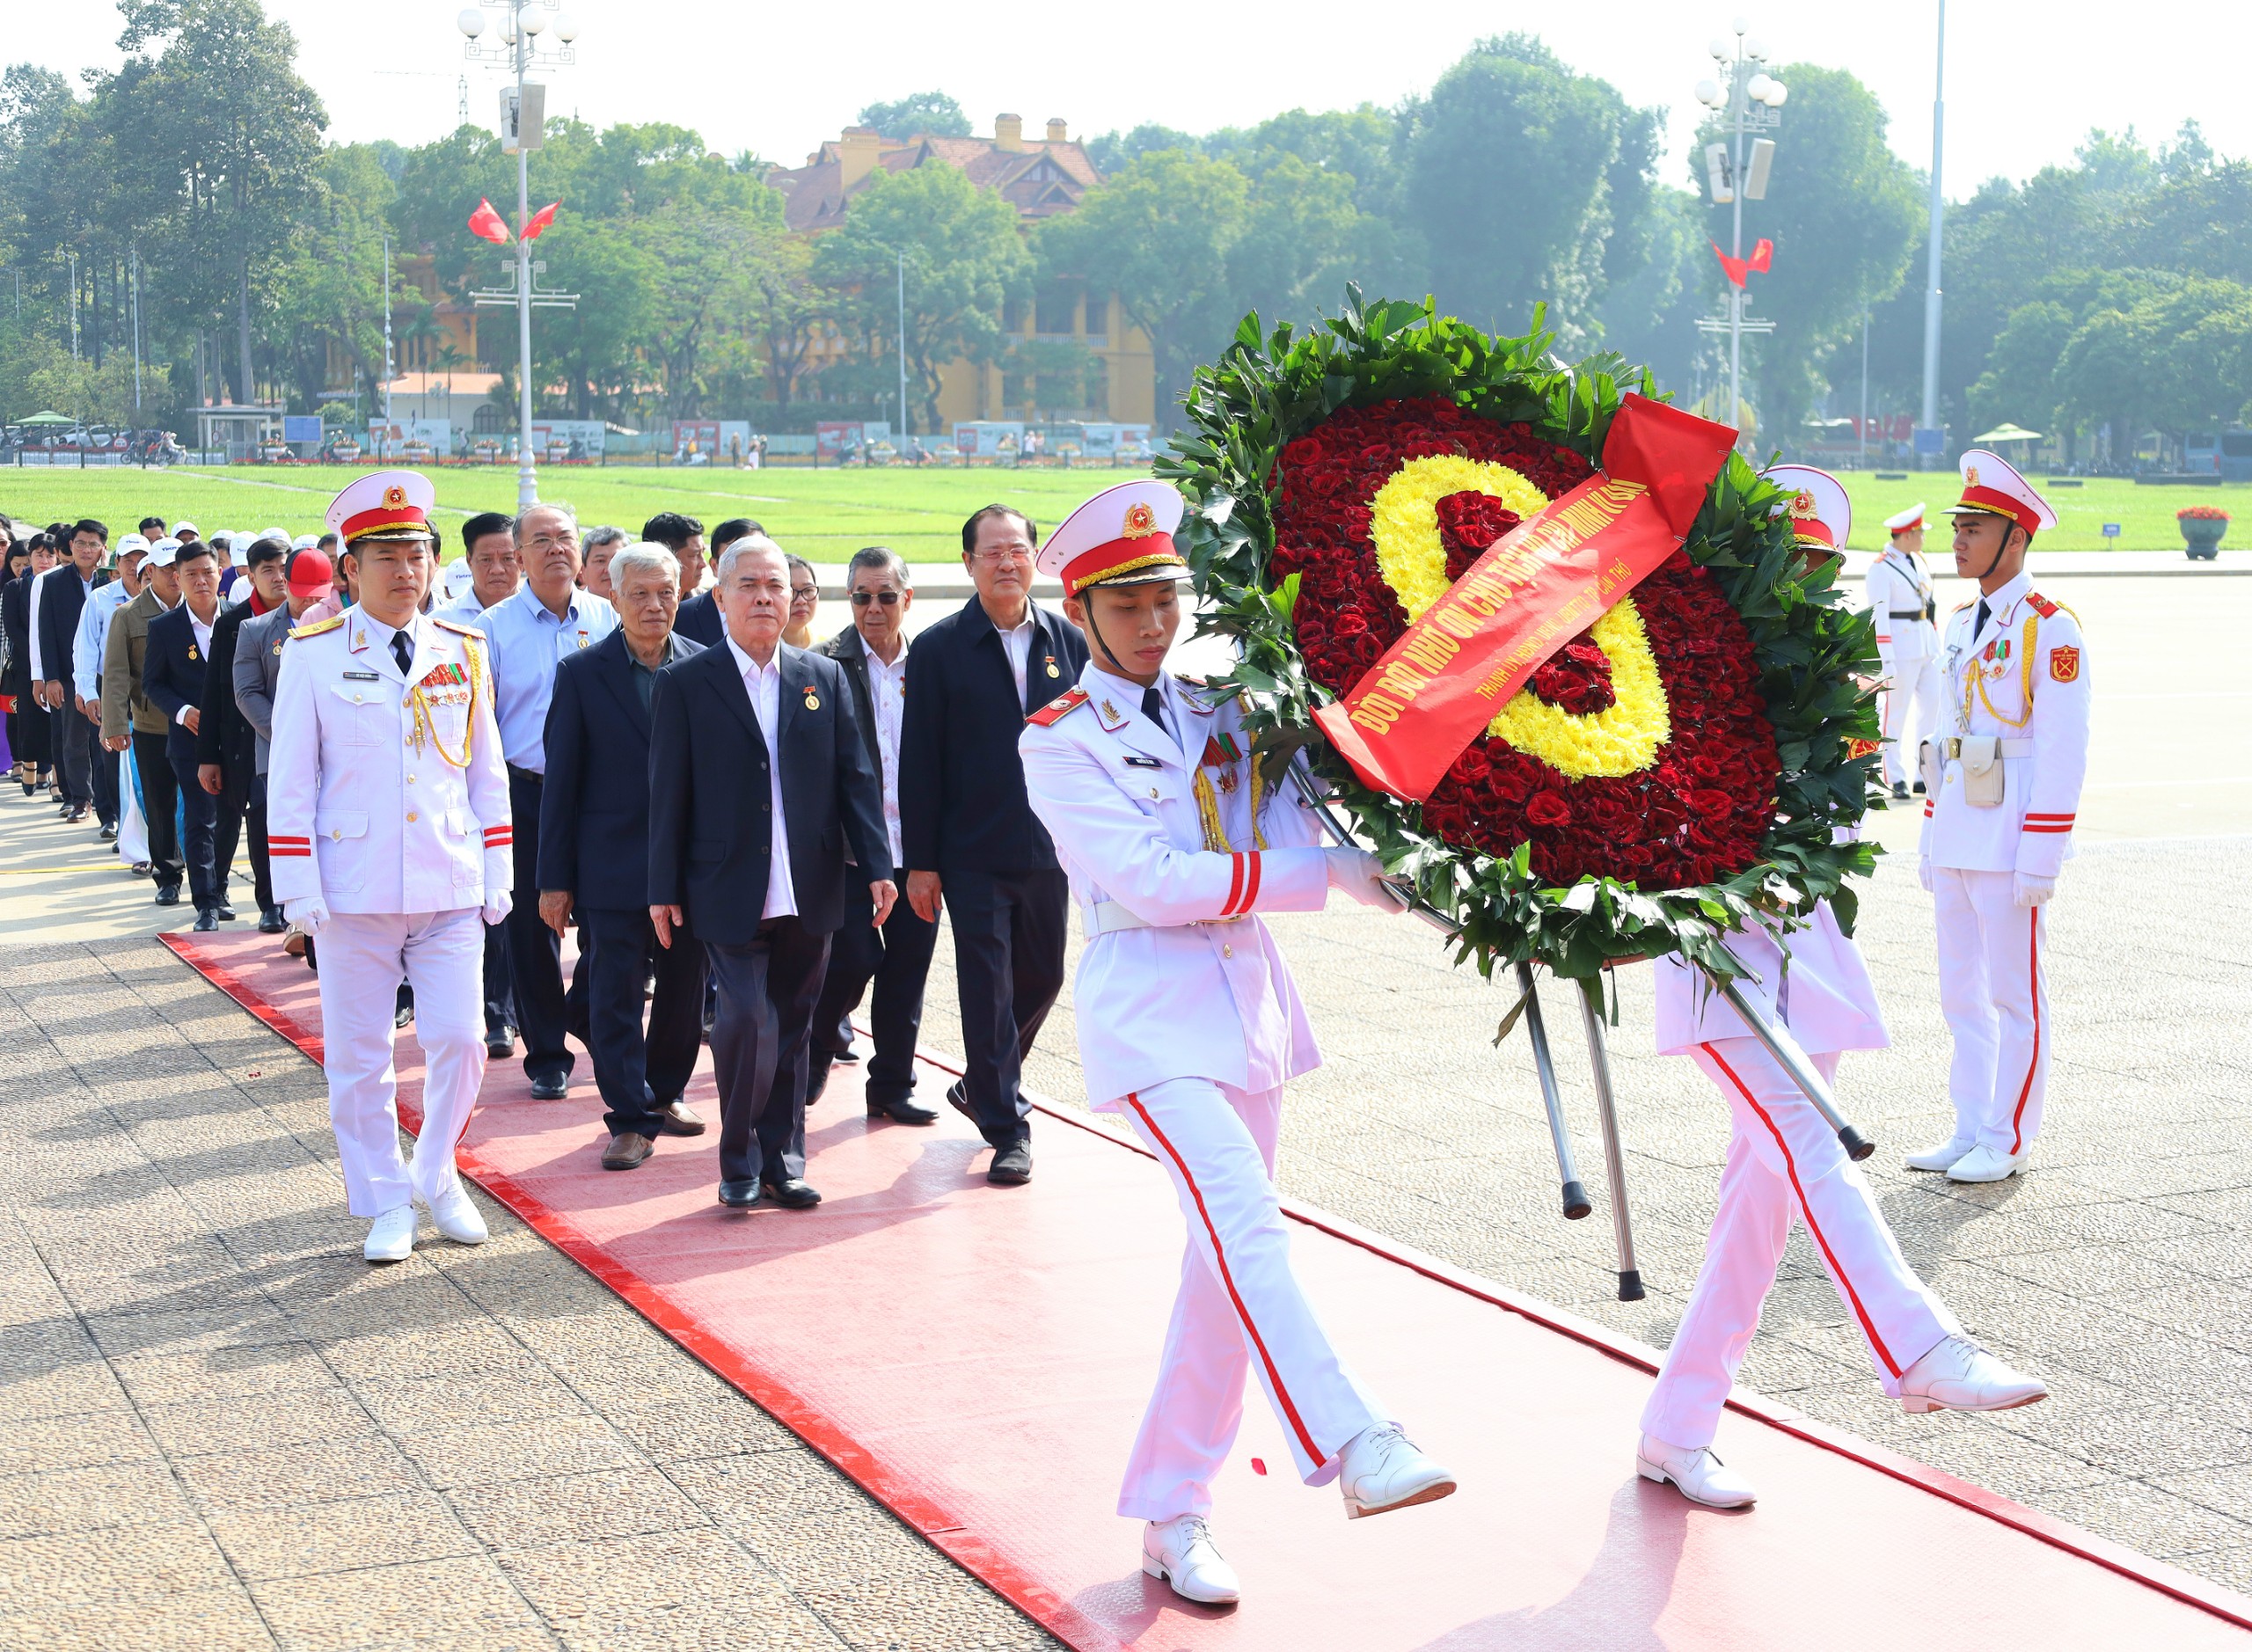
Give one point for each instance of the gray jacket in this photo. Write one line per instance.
(257, 667)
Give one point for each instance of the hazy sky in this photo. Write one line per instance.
(2024, 83)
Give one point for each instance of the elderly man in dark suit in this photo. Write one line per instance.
(173, 676)
(759, 787)
(969, 832)
(896, 957)
(594, 860)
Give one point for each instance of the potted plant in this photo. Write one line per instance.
(2202, 526)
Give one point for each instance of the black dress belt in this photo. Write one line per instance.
(532, 775)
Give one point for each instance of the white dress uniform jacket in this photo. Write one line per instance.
(1899, 591)
(2025, 679)
(386, 792)
(1202, 990)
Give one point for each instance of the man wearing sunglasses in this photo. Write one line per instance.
(898, 957)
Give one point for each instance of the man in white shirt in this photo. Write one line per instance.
(86, 671)
(896, 957)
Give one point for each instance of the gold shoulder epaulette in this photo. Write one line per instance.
(299, 632)
(1062, 707)
(458, 628)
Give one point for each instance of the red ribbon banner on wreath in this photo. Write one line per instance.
(1404, 723)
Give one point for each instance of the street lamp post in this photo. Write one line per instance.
(1750, 100)
(1929, 442)
(522, 21)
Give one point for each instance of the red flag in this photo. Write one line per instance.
(490, 224)
(1737, 268)
(540, 220)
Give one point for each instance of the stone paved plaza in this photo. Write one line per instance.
(227, 1430)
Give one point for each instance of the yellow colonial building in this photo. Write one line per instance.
(1040, 178)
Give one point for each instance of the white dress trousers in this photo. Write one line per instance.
(1994, 988)
(362, 957)
(1240, 1307)
(1784, 1161)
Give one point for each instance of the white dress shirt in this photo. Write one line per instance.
(888, 696)
(203, 652)
(31, 609)
(764, 685)
(525, 643)
(1017, 640)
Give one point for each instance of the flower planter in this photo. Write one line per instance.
(2202, 527)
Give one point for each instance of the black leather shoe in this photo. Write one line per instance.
(206, 921)
(902, 1112)
(270, 922)
(1012, 1167)
(1900, 790)
(168, 894)
(958, 1098)
(816, 1080)
(109, 834)
(499, 1046)
(1919, 788)
(791, 1194)
(739, 1195)
(846, 1057)
(551, 1086)
(226, 912)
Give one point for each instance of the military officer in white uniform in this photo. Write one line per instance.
(2003, 771)
(387, 810)
(1189, 1025)
(1786, 1163)
(1899, 590)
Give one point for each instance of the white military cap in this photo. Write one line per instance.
(1992, 487)
(1821, 514)
(1908, 521)
(384, 505)
(1123, 536)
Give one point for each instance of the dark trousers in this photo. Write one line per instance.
(107, 807)
(639, 1072)
(534, 951)
(897, 959)
(767, 991)
(200, 815)
(160, 805)
(262, 868)
(1008, 960)
(231, 805)
(76, 742)
(499, 1009)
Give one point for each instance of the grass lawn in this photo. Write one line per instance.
(823, 516)
(2145, 515)
(826, 515)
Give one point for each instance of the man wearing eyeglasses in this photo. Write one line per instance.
(897, 958)
(970, 839)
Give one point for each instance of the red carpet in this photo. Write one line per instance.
(977, 1358)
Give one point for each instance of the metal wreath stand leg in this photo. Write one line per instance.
(1775, 1039)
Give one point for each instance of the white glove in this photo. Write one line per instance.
(497, 909)
(1924, 872)
(2033, 891)
(309, 915)
(1361, 875)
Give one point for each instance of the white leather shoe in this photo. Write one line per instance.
(1179, 1552)
(1958, 1375)
(458, 1217)
(1940, 1158)
(1985, 1163)
(1697, 1476)
(1381, 1471)
(390, 1236)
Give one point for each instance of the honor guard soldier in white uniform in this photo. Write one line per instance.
(1786, 1163)
(2003, 772)
(1899, 590)
(1189, 1025)
(388, 828)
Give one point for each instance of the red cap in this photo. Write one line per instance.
(311, 577)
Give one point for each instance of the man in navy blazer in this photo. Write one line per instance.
(594, 859)
(171, 676)
(758, 785)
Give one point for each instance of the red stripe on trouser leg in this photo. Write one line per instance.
(1790, 1167)
(1227, 1279)
(2033, 1062)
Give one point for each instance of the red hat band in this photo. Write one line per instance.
(1114, 557)
(362, 523)
(1814, 531)
(2001, 504)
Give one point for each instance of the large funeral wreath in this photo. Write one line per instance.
(1684, 762)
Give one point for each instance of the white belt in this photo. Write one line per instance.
(1953, 747)
(1107, 917)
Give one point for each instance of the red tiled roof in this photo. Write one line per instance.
(1039, 180)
